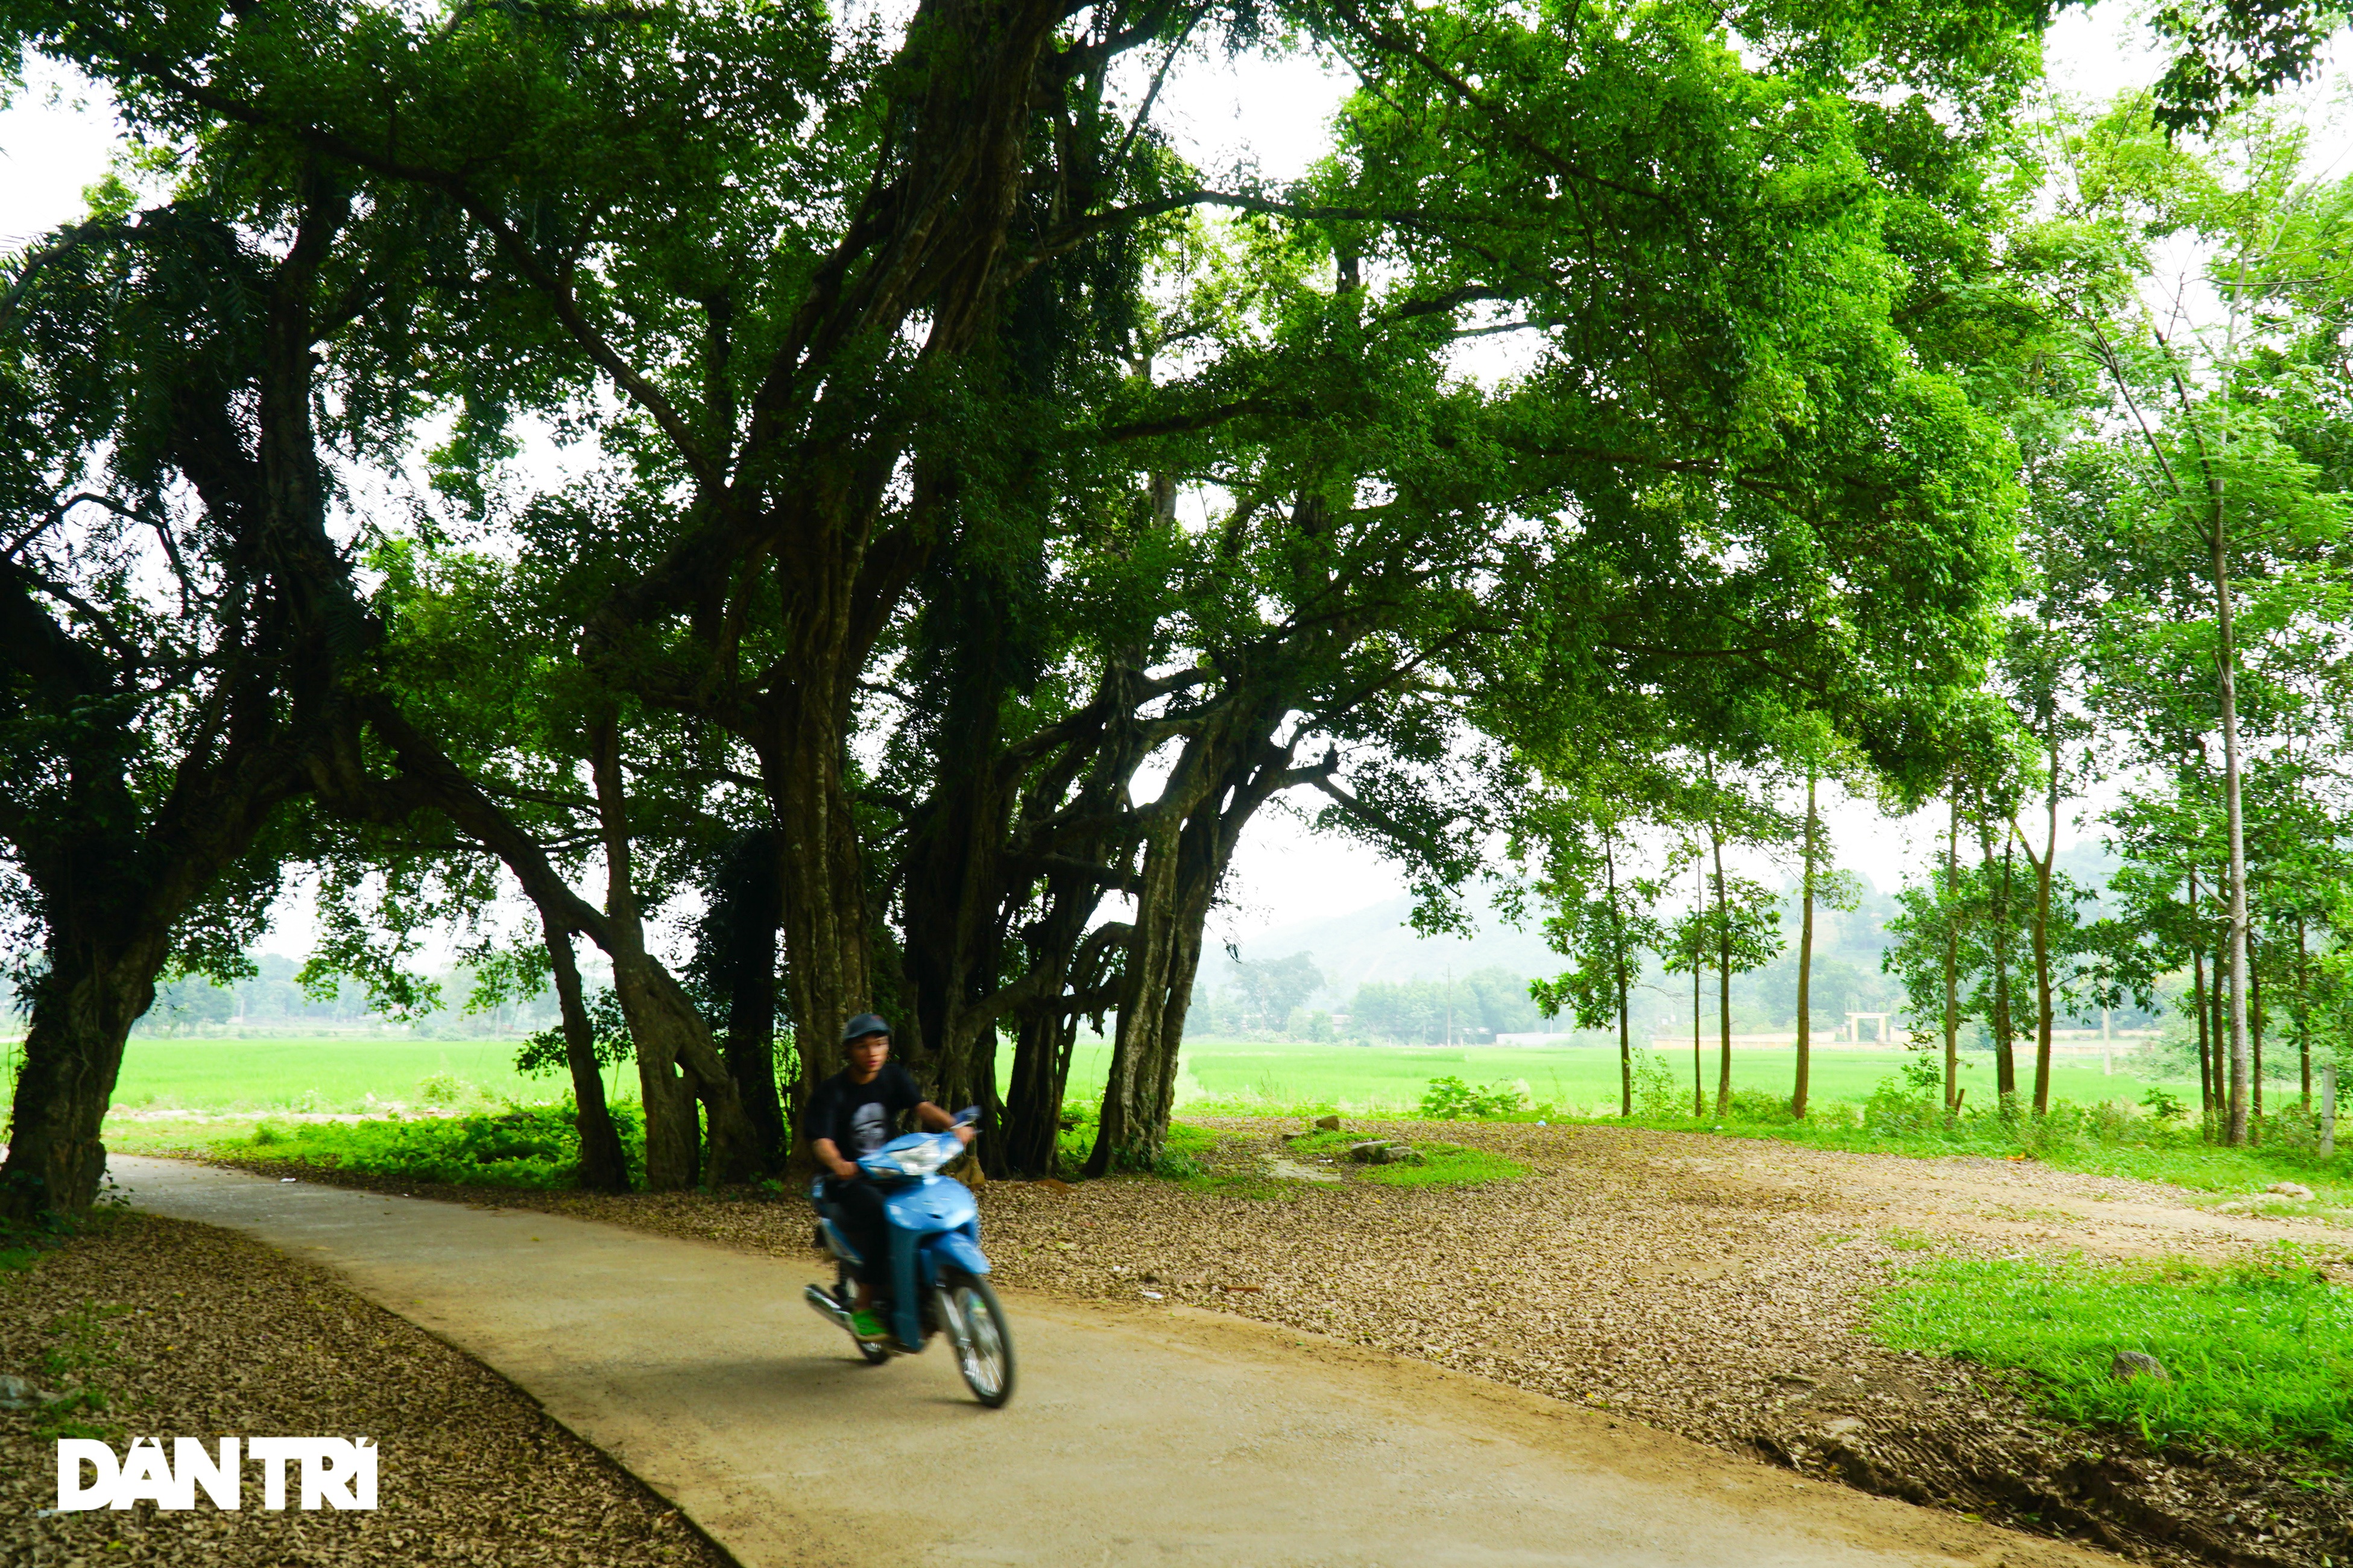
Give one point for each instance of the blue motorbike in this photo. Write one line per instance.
(938, 1275)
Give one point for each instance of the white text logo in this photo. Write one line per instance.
(332, 1472)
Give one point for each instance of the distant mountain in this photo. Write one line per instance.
(1376, 944)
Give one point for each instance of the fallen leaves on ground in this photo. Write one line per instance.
(193, 1332)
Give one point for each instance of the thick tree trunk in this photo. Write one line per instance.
(82, 1010)
(955, 932)
(1124, 1132)
(677, 1065)
(114, 876)
(1033, 1105)
(1185, 964)
(1229, 770)
(1805, 957)
(829, 973)
(604, 1164)
(749, 911)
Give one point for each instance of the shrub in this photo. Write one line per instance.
(523, 1146)
(1896, 1109)
(1656, 1092)
(1761, 1106)
(1449, 1099)
(443, 1089)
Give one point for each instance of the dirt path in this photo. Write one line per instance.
(1715, 1287)
(1139, 1434)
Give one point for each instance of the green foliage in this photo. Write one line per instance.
(443, 1089)
(1267, 991)
(1658, 1092)
(544, 1053)
(2164, 1106)
(1738, 928)
(2259, 1354)
(698, 243)
(1488, 1000)
(1601, 924)
(1761, 1106)
(1449, 1099)
(1899, 1109)
(524, 1146)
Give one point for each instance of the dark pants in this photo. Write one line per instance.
(858, 1210)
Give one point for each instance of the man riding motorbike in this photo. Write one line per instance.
(852, 1114)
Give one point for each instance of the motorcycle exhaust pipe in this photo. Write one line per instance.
(822, 1303)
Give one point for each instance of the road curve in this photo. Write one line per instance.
(1136, 1435)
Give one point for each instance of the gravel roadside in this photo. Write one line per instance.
(1711, 1286)
(193, 1332)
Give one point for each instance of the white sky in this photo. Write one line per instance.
(57, 136)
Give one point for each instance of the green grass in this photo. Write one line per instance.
(2261, 1355)
(1443, 1164)
(1260, 1077)
(1242, 1077)
(254, 1077)
(218, 1076)
(525, 1146)
(2094, 1140)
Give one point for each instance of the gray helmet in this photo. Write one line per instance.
(863, 1025)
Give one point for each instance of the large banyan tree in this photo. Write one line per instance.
(863, 472)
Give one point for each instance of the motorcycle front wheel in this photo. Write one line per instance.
(983, 1343)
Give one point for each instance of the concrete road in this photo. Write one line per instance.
(1136, 1436)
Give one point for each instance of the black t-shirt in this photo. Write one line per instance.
(861, 1117)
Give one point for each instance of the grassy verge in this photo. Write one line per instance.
(1443, 1164)
(2095, 1140)
(2259, 1355)
(532, 1146)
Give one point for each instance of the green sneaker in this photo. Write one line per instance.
(867, 1326)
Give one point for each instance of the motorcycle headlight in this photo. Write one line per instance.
(922, 1158)
(925, 1159)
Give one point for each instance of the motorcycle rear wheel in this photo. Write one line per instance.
(984, 1350)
